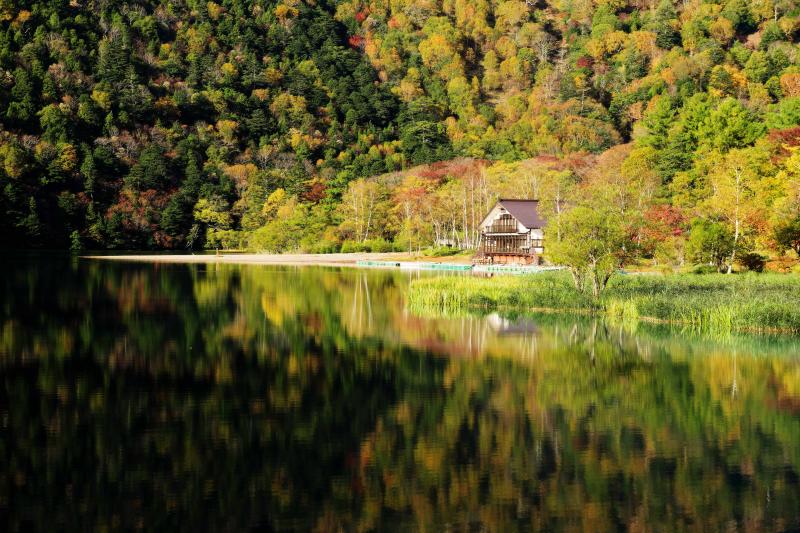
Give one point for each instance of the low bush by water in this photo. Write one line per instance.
(715, 303)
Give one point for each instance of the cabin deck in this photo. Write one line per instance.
(516, 249)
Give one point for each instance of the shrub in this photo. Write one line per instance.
(320, 247)
(753, 261)
(378, 245)
(350, 247)
(442, 251)
(705, 269)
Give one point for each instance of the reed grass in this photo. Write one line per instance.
(714, 303)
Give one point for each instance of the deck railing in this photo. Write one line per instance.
(510, 245)
(502, 227)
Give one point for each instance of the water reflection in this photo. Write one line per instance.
(225, 397)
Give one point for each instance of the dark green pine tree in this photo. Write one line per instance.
(22, 108)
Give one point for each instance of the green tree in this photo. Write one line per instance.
(787, 234)
(150, 172)
(425, 142)
(21, 109)
(730, 125)
(593, 246)
(54, 124)
(710, 242)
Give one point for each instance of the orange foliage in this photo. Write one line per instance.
(790, 83)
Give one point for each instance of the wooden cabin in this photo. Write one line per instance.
(512, 234)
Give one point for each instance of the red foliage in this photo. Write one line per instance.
(440, 170)
(577, 162)
(316, 191)
(664, 221)
(783, 140)
(356, 41)
(361, 16)
(584, 62)
(83, 198)
(141, 212)
(393, 24)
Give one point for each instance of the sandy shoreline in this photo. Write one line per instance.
(275, 259)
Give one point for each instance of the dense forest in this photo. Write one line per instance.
(337, 125)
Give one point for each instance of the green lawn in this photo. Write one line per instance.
(710, 303)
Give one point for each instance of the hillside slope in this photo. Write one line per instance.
(184, 124)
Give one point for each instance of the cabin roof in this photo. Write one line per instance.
(525, 211)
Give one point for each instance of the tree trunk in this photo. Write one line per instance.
(371, 208)
(576, 278)
(736, 221)
(466, 234)
(735, 245)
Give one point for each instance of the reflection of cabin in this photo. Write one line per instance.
(506, 326)
(512, 233)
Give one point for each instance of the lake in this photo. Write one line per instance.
(224, 397)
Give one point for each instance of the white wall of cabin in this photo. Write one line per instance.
(495, 213)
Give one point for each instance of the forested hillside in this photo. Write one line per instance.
(302, 124)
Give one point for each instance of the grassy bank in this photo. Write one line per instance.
(714, 303)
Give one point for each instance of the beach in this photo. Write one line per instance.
(337, 259)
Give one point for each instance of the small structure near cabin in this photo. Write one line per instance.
(512, 233)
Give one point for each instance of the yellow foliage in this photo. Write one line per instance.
(227, 129)
(295, 137)
(511, 108)
(274, 202)
(738, 78)
(284, 12)
(13, 159)
(509, 15)
(761, 9)
(228, 69)
(42, 149)
(240, 174)
(286, 102)
(789, 25)
(273, 76)
(67, 157)
(454, 132)
(615, 41)
(505, 47)
(197, 40)
(596, 48)
(22, 18)
(102, 99)
(758, 95)
(214, 10)
(436, 50)
(287, 209)
(407, 90)
(722, 30)
(165, 105)
(645, 42)
(372, 47)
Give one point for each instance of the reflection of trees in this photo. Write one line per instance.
(225, 397)
(562, 444)
(192, 405)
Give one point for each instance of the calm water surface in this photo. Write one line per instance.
(221, 397)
